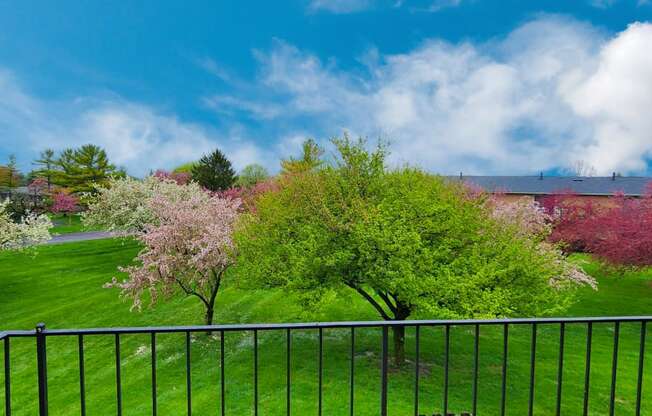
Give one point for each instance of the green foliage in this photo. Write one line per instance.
(251, 175)
(47, 164)
(406, 241)
(9, 175)
(185, 168)
(214, 172)
(310, 159)
(84, 168)
(403, 239)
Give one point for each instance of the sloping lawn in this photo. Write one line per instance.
(66, 224)
(62, 286)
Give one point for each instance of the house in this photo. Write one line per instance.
(597, 188)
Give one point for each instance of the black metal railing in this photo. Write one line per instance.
(41, 335)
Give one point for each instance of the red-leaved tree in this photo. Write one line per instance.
(618, 232)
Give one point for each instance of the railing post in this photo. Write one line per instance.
(383, 374)
(41, 359)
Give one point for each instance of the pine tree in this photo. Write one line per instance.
(214, 172)
(83, 168)
(47, 163)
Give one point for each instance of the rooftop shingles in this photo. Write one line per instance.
(536, 185)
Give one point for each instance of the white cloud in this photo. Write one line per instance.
(340, 6)
(135, 136)
(552, 92)
(438, 5)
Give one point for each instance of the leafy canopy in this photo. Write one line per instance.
(250, 175)
(406, 241)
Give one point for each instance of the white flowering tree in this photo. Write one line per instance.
(124, 204)
(32, 229)
(188, 249)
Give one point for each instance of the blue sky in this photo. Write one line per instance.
(480, 86)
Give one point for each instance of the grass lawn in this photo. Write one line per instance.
(62, 286)
(67, 224)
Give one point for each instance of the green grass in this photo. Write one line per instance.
(62, 286)
(66, 224)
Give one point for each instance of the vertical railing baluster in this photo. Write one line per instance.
(118, 381)
(154, 389)
(255, 372)
(503, 397)
(352, 375)
(7, 365)
(641, 364)
(614, 370)
(383, 372)
(587, 367)
(82, 375)
(476, 369)
(42, 366)
(222, 387)
(321, 371)
(446, 359)
(288, 347)
(188, 374)
(560, 369)
(533, 354)
(416, 369)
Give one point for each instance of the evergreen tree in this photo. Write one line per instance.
(47, 166)
(214, 172)
(83, 168)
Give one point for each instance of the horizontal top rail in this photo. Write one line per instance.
(317, 325)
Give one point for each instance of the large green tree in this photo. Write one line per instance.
(407, 242)
(83, 168)
(214, 172)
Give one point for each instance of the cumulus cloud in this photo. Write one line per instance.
(135, 136)
(550, 93)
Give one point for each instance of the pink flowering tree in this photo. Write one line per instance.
(181, 178)
(38, 186)
(189, 250)
(64, 203)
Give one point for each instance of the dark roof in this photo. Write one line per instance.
(537, 185)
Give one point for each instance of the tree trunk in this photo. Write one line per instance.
(399, 345)
(208, 318)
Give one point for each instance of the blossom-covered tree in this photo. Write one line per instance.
(622, 235)
(181, 178)
(123, 205)
(38, 186)
(64, 203)
(618, 232)
(32, 229)
(188, 250)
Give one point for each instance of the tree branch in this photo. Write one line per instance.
(387, 301)
(373, 302)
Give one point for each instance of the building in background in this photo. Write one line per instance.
(597, 188)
